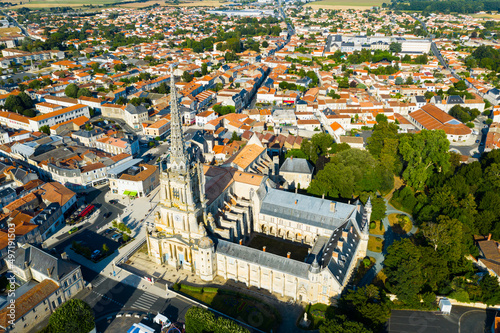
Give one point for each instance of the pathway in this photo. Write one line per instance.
(389, 237)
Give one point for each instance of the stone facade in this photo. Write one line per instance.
(208, 214)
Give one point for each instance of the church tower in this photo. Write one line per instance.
(181, 218)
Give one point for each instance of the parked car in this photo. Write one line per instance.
(73, 230)
(106, 215)
(95, 255)
(117, 237)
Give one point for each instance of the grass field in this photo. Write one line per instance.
(375, 244)
(9, 31)
(344, 4)
(487, 16)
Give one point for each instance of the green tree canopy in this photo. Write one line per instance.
(424, 153)
(71, 90)
(349, 173)
(74, 316)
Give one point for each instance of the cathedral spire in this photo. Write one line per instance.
(179, 158)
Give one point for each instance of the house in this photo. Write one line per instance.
(47, 282)
(204, 117)
(489, 255)
(430, 117)
(297, 173)
(134, 178)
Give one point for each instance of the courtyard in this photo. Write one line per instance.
(279, 246)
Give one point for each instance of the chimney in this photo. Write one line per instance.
(296, 189)
(241, 241)
(340, 245)
(344, 234)
(332, 207)
(323, 196)
(296, 201)
(489, 237)
(288, 255)
(64, 256)
(48, 272)
(264, 249)
(335, 256)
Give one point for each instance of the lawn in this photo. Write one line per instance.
(378, 228)
(344, 4)
(375, 244)
(400, 223)
(248, 309)
(316, 313)
(362, 269)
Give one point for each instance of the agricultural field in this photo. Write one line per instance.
(344, 4)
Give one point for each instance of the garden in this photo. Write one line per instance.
(248, 309)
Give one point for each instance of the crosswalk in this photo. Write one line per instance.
(145, 301)
(98, 280)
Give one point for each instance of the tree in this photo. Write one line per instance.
(45, 129)
(349, 173)
(204, 69)
(490, 290)
(340, 324)
(74, 316)
(403, 268)
(395, 47)
(399, 80)
(366, 305)
(186, 77)
(105, 248)
(424, 153)
(84, 92)
(71, 90)
(265, 44)
(446, 235)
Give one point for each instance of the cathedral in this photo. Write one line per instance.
(210, 216)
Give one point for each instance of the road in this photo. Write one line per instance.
(108, 296)
(95, 197)
(23, 30)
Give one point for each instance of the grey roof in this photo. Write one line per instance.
(454, 99)
(87, 134)
(297, 165)
(131, 108)
(264, 259)
(6, 192)
(124, 166)
(42, 262)
(420, 99)
(305, 209)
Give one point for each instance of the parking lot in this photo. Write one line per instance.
(94, 241)
(461, 320)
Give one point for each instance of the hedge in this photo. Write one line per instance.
(199, 320)
(192, 288)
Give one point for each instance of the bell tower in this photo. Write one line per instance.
(182, 205)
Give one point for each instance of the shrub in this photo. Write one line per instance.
(367, 262)
(192, 288)
(460, 295)
(210, 290)
(372, 225)
(176, 286)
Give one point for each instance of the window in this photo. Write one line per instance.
(325, 289)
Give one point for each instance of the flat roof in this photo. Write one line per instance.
(124, 166)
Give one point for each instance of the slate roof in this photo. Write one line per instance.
(42, 262)
(132, 109)
(297, 165)
(264, 259)
(455, 99)
(305, 209)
